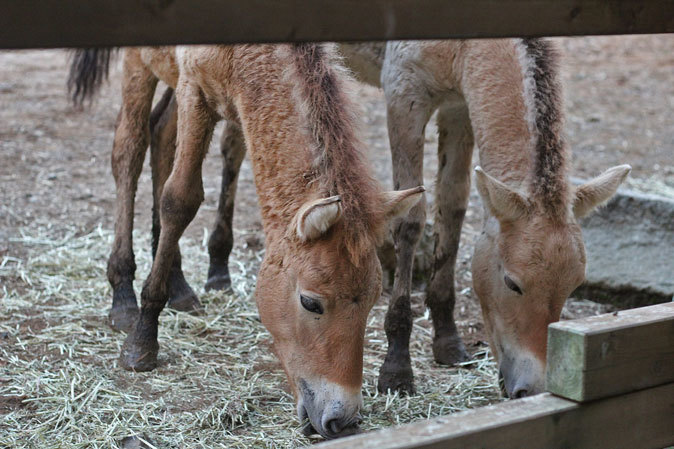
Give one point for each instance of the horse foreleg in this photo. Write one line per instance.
(181, 196)
(163, 129)
(128, 153)
(455, 148)
(407, 117)
(221, 240)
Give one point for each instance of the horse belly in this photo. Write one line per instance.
(162, 62)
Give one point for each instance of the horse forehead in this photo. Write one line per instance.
(545, 247)
(331, 264)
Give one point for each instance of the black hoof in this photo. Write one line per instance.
(188, 303)
(396, 377)
(123, 318)
(449, 350)
(138, 357)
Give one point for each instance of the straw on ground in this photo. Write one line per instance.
(218, 383)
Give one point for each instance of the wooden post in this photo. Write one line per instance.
(611, 354)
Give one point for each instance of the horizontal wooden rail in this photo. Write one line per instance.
(77, 23)
(644, 419)
(611, 354)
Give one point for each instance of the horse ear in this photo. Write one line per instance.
(397, 203)
(502, 201)
(315, 217)
(599, 190)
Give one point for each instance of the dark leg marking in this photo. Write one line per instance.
(455, 149)
(221, 241)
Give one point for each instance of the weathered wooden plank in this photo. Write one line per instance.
(611, 354)
(72, 23)
(644, 419)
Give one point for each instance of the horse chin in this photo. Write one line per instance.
(307, 413)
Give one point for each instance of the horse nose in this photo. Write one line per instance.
(523, 388)
(337, 424)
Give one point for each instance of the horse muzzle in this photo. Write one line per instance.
(521, 376)
(331, 410)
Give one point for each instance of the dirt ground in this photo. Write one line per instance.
(55, 176)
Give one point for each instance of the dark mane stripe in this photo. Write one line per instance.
(339, 165)
(330, 122)
(549, 183)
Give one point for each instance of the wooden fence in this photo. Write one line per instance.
(72, 23)
(610, 383)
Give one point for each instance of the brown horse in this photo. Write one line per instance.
(504, 95)
(322, 211)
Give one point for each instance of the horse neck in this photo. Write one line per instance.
(288, 165)
(519, 138)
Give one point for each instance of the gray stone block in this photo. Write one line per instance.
(630, 251)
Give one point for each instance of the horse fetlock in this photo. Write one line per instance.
(181, 296)
(124, 311)
(122, 317)
(448, 349)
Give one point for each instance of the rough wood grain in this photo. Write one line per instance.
(611, 354)
(644, 419)
(72, 23)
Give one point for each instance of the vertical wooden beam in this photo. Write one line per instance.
(611, 354)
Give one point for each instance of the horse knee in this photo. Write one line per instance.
(408, 230)
(180, 205)
(398, 321)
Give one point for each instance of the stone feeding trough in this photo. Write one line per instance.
(630, 251)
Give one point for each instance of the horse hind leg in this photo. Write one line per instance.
(181, 196)
(163, 130)
(221, 240)
(407, 117)
(455, 148)
(128, 152)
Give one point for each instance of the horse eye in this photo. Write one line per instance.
(311, 304)
(512, 286)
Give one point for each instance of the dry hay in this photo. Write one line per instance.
(217, 385)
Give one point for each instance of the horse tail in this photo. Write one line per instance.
(88, 69)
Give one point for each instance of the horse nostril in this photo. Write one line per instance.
(521, 393)
(335, 426)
